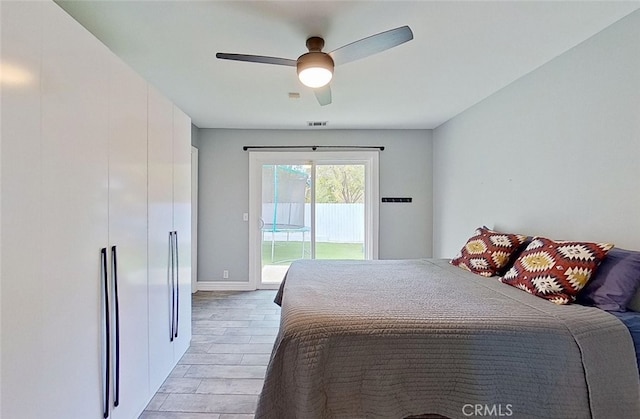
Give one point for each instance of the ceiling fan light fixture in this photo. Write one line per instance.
(315, 69)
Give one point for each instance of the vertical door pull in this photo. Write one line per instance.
(107, 329)
(177, 270)
(172, 283)
(116, 373)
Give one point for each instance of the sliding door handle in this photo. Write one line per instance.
(177, 270)
(107, 329)
(116, 302)
(171, 275)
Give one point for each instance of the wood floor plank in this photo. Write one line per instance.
(205, 403)
(222, 373)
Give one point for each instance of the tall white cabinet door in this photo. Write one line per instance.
(22, 344)
(75, 76)
(182, 222)
(128, 237)
(160, 223)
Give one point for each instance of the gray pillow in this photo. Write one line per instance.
(614, 283)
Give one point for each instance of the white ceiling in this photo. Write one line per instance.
(461, 53)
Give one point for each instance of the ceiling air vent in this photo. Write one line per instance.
(317, 123)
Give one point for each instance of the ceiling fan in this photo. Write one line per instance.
(315, 68)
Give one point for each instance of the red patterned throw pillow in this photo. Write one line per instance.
(556, 270)
(487, 252)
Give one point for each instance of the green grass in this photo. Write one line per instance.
(286, 252)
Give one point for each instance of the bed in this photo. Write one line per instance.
(392, 339)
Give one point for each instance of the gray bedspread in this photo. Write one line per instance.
(390, 339)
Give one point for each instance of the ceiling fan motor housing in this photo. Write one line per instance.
(315, 44)
(315, 59)
(315, 69)
(317, 64)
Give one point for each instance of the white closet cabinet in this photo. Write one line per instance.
(75, 130)
(160, 190)
(128, 237)
(74, 215)
(169, 284)
(21, 38)
(182, 224)
(94, 130)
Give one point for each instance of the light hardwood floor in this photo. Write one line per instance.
(221, 375)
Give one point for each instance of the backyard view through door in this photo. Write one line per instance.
(311, 211)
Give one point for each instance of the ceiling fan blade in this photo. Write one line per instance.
(256, 59)
(323, 94)
(371, 45)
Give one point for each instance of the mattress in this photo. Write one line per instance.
(392, 339)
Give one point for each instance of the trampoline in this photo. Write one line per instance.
(284, 190)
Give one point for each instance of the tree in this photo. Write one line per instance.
(340, 183)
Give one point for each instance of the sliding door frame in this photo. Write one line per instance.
(370, 160)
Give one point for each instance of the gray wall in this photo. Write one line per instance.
(405, 170)
(195, 136)
(555, 153)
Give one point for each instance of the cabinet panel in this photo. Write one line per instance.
(182, 220)
(75, 179)
(169, 189)
(160, 219)
(75, 76)
(21, 37)
(128, 231)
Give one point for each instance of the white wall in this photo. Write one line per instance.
(555, 153)
(223, 237)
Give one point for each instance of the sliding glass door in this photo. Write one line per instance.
(285, 218)
(339, 211)
(319, 205)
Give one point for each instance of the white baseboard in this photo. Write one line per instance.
(225, 286)
(232, 286)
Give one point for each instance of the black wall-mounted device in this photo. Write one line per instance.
(403, 200)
